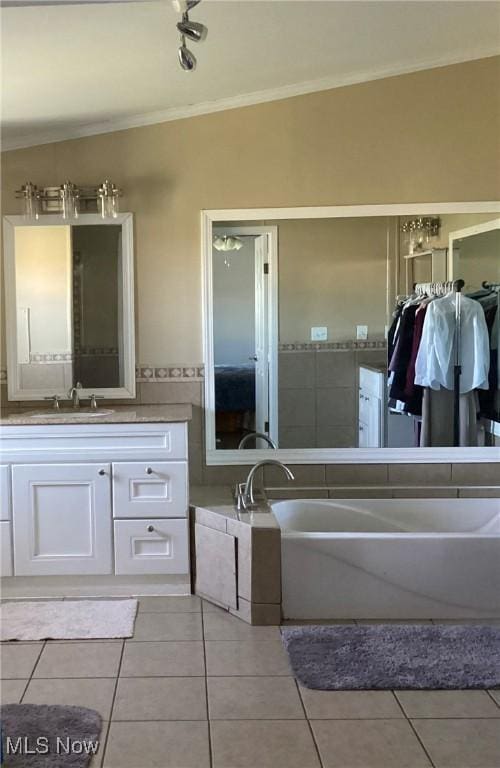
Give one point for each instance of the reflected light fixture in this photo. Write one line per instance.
(193, 30)
(227, 243)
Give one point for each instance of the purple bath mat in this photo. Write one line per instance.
(394, 656)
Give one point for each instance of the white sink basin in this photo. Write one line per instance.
(74, 413)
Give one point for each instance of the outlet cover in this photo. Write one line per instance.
(361, 332)
(319, 333)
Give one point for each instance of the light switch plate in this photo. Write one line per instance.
(361, 332)
(319, 333)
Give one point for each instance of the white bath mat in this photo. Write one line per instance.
(67, 619)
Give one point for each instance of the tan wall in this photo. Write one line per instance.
(427, 136)
(333, 273)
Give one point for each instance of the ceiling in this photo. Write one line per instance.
(75, 70)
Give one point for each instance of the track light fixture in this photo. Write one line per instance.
(193, 30)
(187, 60)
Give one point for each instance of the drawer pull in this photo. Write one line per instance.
(102, 471)
(149, 471)
(151, 528)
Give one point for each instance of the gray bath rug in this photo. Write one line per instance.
(394, 656)
(67, 619)
(42, 736)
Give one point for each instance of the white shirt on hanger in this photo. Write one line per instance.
(435, 362)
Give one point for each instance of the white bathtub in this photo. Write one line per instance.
(390, 559)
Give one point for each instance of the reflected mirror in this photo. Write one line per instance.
(71, 307)
(316, 326)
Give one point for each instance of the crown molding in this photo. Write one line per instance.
(244, 100)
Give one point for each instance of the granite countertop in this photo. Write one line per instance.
(122, 414)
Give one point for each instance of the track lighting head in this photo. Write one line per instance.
(183, 6)
(187, 60)
(192, 29)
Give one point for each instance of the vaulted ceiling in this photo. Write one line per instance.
(81, 69)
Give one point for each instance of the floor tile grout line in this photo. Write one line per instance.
(32, 672)
(492, 697)
(211, 756)
(394, 693)
(431, 761)
(117, 679)
(316, 747)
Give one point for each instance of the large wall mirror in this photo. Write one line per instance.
(69, 306)
(325, 329)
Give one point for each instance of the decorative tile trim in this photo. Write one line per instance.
(155, 373)
(300, 346)
(51, 357)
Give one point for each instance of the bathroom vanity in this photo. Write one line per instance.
(94, 502)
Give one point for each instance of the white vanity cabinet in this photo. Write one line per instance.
(94, 500)
(6, 568)
(371, 408)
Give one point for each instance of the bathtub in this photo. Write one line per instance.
(390, 559)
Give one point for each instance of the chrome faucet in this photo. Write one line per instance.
(74, 394)
(257, 435)
(244, 491)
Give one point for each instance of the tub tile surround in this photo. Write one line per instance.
(241, 708)
(324, 478)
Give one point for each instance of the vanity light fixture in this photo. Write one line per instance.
(68, 199)
(420, 231)
(193, 30)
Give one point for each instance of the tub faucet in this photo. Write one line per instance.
(257, 435)
(74, 394)
(244, 491)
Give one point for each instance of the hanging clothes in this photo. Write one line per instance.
(434, 366)
(437, 418)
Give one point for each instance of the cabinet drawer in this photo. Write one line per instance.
(155, 489)
(5, 504)
(151, 546)
(5, 549)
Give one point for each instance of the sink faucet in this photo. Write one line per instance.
(244, 491)
(260, 435)
(74, 394)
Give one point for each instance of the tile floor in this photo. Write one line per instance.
(197, 688)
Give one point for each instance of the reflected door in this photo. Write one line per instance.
(241, 347)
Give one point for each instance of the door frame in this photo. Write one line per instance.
(229, 456)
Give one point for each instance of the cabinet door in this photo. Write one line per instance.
(157, 489)
(62, 519)
(5, 549)
(5, 510)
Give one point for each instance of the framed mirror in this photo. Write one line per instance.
(70, 306)
(302, 313)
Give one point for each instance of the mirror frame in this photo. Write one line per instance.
(214, 457)
(125, 220)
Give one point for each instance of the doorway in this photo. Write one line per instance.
(244, 337)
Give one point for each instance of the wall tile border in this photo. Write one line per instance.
(300, 346)
(158, 373)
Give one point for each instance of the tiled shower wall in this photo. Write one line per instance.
(322, 477)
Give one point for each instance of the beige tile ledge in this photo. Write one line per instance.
(122, 414)
(210, 503)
